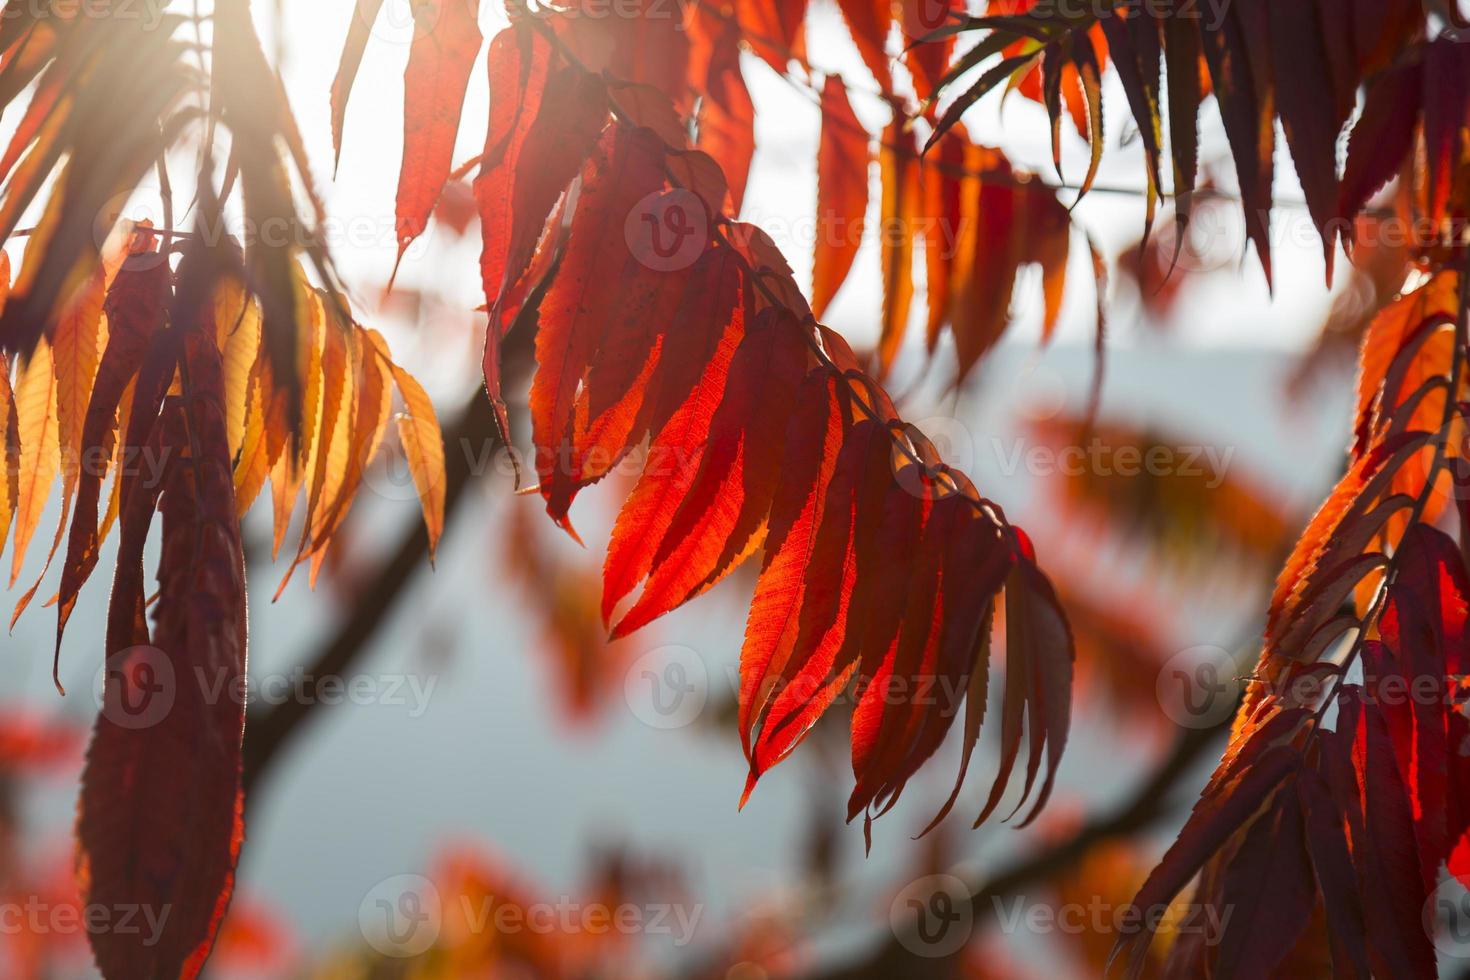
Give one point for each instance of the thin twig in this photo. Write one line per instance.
(1152, 801)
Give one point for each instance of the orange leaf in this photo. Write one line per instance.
(76, 349)
(945, 198)
(842, 194)
(35, 405)
(237, 320)
(775, 31)
(898, 159)
(423, 445)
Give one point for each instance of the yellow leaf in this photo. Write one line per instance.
(372, 410)
(255, 457)
(423, 445)
(35, 401)
(330, 447)
(76, 351)
(287, 477)
(237, 319)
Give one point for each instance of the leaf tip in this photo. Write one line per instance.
(750, 782)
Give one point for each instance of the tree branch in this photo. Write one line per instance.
(1149, 803)
(269, 730)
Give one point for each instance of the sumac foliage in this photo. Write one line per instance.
(1337, 808)
(172, 373)
(670, 332)
(667, 328)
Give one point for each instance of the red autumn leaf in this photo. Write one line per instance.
(594, 279)
(722, 518)
(727, 114)
(1254, 768)
(1381, 28)
(1242, 90)
(1270, 887)
(1039, 657)
(645, 42)
(1389, 881)
(1332, 862)
(1382, 136)
(1424, 628)
(445, 42)
(925, 673)
(651, 343)
(775, 31)
(869, 21)
(823, 656)
(543, 123)
(813, 441)
(1446, 94)
(675, 455)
